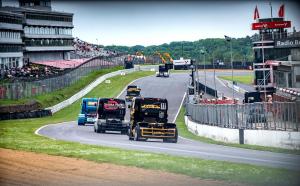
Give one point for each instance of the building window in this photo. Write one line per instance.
(47, 42)
(298, 78)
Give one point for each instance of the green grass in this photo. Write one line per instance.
(19, 135)
(57, 96)
(184, 132)
(247, 79)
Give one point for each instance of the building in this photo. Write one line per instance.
(11, 46)
(45, 34)
(277, 55)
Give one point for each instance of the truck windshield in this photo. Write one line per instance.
(90, 107)
(133, 93)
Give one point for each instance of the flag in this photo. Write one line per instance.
(256, 14)
(281, 11)
(227, 38)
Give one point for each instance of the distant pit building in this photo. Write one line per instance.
(277, 56)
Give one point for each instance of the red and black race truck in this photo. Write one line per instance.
(110, 116)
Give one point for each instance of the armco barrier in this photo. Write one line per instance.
(88, 88)
(209, 90)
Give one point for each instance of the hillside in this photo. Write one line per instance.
(216, 47)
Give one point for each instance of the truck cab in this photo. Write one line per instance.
(163, 71)
(149, 119)
(132, 91)
(110, 116)
(88, 111)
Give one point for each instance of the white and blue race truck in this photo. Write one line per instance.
(88, 111)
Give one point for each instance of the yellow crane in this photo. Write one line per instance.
(165, 57)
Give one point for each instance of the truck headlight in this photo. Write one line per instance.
(161, 115)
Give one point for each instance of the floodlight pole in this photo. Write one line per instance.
(231, 61)
(204, 74)
(263, 60)
(214, 77)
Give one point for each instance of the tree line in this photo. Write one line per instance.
(215, 49)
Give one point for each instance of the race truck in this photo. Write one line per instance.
(132, 91)
(88, 111)
(128, 62)
(110, 116)
(163, 71)
(149, 119)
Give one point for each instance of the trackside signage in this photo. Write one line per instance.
(277, 24)
(291, 42)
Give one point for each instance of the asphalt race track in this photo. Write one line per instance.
(173, 89)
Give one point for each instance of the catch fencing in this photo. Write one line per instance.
(269, 116)
(24, 89)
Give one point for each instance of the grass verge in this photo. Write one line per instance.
(184, 132)
(19, 135)
(247, 79)
(57, 96)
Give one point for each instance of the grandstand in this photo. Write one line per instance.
(45, 34)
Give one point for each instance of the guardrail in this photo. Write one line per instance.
(210, 91)
(99, 80)
(270, 116)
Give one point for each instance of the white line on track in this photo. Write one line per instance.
(189, 151)
(179, 107)
(178, 114)
(39, 129)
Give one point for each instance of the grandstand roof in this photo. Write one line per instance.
(63, 64)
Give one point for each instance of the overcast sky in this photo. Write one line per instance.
(156, 22)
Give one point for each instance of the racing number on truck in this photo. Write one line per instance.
(163, 106)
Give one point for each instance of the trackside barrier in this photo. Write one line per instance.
(91, 86)
(271, 138)
(33, 86)
(209, 90)
(86, 90)
(267, 116)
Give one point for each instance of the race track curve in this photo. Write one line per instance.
(173, 89)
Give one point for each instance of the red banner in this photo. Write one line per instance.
(256, 14)
(281, 11)
(265, 25)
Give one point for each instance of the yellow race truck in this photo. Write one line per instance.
(149, 119)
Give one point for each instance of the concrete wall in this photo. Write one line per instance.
(216, 133)
(271, 138)
(282, 139)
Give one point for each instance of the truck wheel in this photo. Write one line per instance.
(98, 130)
(176, 136)
(130, 137)
(137, 133)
